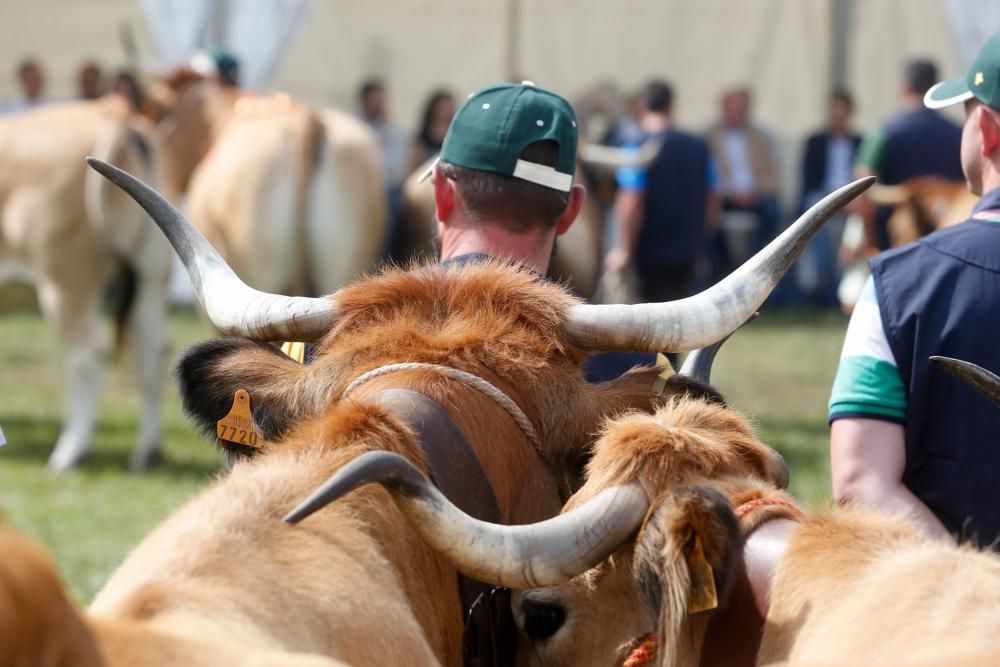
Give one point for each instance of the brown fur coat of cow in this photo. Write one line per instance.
(224, 581)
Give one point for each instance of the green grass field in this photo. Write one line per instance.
(778, 369)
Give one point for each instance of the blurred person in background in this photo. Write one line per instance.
(915, 142)
(827, 164)
(31, 81)
(434, 121)
(906, 437)
(664, 209)
(627, 130)
(374, 107)
(89, 80)
(663, 212)
(749, 172)
(219, 65)
(127, 86)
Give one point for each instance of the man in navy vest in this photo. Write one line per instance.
(915, 142)
(664, 208)
(906, 437)
(664, 211)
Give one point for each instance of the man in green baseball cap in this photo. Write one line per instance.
(503, 184)
(905, 437)
(981, 82)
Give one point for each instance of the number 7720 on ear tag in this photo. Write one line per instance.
(238, 426)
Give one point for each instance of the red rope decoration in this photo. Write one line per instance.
(643, 654)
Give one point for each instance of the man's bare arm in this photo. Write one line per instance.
(628, 212)
(867, 457)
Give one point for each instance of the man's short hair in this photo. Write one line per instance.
(842, 95)
(513, 203)
(25, 65)
(919, 75)
(369, 86)
(659, 96)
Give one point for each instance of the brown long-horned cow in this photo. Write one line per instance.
(492, 345)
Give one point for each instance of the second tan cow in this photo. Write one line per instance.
(844, 586)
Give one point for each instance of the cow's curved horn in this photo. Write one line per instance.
(527, 556)
(698, 363)
(703, 319)
(976, 376)
(233, 307)
(613, 157)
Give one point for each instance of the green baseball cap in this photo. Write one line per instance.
(982, 81)
(492, 128)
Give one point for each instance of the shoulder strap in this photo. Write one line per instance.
(489, 636)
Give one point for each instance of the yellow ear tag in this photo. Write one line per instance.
(661, 379)
(238, 426)
(294, 350)
(703, 596)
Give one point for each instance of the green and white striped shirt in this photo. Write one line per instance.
(868, 383)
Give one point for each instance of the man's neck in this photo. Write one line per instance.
(533, 248)
(991, 178)
(655, 122)
(913, 102)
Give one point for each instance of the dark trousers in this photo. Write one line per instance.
(768, 214)
(665, 283)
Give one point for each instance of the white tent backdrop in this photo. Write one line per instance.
(972, 23)
(257, 32)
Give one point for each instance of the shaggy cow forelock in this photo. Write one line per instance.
(685, 437)
(480, 312)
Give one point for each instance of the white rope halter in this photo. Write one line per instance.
(474, 381)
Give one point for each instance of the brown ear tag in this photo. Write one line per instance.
(238, 426)
(703, 595)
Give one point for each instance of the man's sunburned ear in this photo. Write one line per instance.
(989, 128)
(210, 373)
(574, 204)
(444, 194)
(685, 557)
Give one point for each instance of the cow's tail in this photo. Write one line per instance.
(307, 162)
(113, 145)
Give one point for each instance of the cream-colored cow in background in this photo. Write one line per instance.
(65, 230)
(291, 195)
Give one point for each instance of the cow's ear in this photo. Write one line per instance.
(685, 560)
(210, 374)
(682, 385)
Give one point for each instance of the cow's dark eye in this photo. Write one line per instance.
(542, 619)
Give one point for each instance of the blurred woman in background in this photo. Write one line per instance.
(434, 122)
